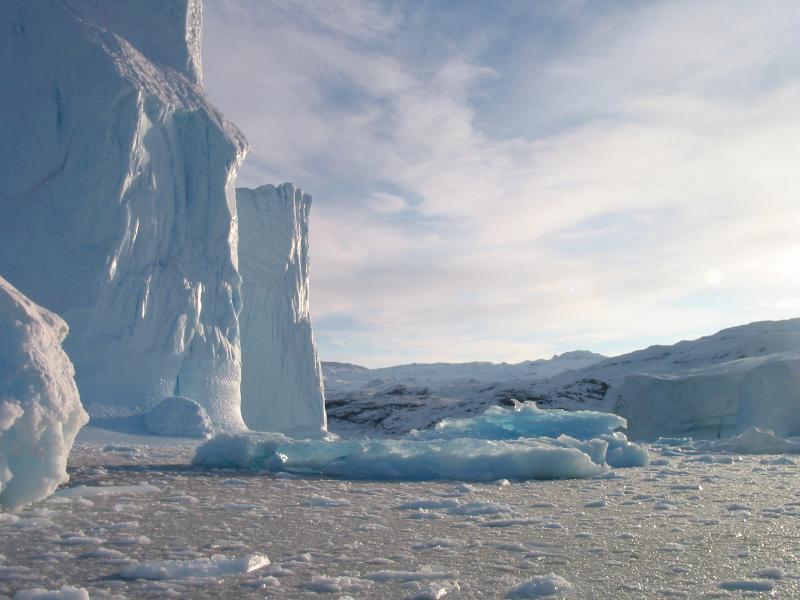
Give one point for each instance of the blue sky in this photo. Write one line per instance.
(509, 180)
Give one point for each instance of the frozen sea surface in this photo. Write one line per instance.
(145, 524)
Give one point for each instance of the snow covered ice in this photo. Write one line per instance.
(281, 376)
(40, 409)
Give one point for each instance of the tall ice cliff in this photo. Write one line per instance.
(281, 375)
(117, 199)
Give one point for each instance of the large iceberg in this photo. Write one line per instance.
(281, 376)
(579, 444)
(715, 401)
(118, 199)
(40, 410)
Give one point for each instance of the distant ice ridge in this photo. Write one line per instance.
(111, 148)
(717, 385)
(583, 444)
(40, 410)
(281, 375)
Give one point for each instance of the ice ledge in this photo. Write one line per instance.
(166, 32)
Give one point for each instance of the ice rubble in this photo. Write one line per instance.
(40, 409)
(65, 592)
(216, 566)
(113, 151)
(754, 440)
(178, 417)
(581, 444)
(281, 376)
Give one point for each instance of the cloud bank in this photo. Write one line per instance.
(510, 181)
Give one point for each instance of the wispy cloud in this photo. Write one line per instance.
(533, 179)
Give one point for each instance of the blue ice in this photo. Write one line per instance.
(523, 442)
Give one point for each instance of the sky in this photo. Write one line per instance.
(504, 181)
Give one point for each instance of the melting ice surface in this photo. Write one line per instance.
(523, 442)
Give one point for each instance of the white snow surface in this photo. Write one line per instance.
(178, 417)
(40, 409)
(111, 148)
(281, 376)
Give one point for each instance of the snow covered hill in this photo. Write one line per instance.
(393, 400)
(711, 386)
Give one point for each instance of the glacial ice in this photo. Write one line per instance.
(526, 420)
(715, 401)
(178, 417)
(281, 375)
(40, 409)
(111, 148)
(489, 454)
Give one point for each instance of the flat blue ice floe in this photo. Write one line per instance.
(500, 444)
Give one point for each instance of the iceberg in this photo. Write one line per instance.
(479, 454)
(118, 199)
(715, 401)
(281, 376)
(40, 409)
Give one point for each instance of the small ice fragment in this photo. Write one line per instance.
(67, 592)
(770, 573)
(216, 566)
(746, 586)
(543, 586)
